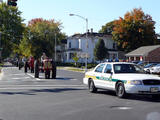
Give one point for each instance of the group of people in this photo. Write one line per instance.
(31, 63)
(43, 64)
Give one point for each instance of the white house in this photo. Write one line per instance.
(78, 44)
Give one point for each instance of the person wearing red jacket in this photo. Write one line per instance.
(31, 62)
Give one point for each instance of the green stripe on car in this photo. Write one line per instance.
(110, 79)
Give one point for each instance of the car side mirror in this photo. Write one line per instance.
(109, 71)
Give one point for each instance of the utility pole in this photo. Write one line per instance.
(87, 54)
(0, 46)
(55, 47)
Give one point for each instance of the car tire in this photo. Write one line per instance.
(120, 90)
(148, 71)
(92, 87)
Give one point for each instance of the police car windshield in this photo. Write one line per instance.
(127, 68)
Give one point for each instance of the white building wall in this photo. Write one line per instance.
(108, 42)
(74, 43)
(80, 43)
(92, 41)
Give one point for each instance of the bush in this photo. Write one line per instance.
(91, 65)
(64, 64)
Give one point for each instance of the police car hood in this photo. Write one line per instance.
(128, 76)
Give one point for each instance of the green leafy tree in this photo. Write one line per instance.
(75, 58)
(136, 29)
(11, 28)
(108, 28)
(24, 48)
(100, 51)
(40, 37)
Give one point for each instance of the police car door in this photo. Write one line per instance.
(98, 74)
(107, 76)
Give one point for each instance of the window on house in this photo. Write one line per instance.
(71, 55)
(79, 43)
(114, 46)
(69, 44)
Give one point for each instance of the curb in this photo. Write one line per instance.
(1, 74)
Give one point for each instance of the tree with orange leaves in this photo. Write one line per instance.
(40, 37)
(136, 29)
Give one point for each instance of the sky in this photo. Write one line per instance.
(98, 12)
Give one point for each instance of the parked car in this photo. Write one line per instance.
(155, 69)
(148, 67)
(123, 78)
(142, 63)
(136, 62)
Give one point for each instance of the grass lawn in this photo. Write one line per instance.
(72, 69)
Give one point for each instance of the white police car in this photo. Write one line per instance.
(123, 78)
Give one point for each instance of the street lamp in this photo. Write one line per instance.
(55, 47)
(0, 46)
(86, 36)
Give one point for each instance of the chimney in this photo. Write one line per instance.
(91, 30)
(88, 31)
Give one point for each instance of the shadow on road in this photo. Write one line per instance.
(54, 79)
(34, 91)
(64, 78)
(146, 98)
(8, 66)
(17, 93)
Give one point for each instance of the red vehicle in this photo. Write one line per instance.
(48, 66)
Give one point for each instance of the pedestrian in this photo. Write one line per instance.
(20, 64)
(43, 57)
(25, 66)
(53, 69)
(31, 62)
(36, 66)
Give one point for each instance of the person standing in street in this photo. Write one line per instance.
(36, 66)
(31, 62)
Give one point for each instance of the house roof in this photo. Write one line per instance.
(91, 34)
(142, 51)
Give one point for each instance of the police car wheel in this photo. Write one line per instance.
(120, 90)
(92, 87)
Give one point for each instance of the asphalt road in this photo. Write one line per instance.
(22, 97)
